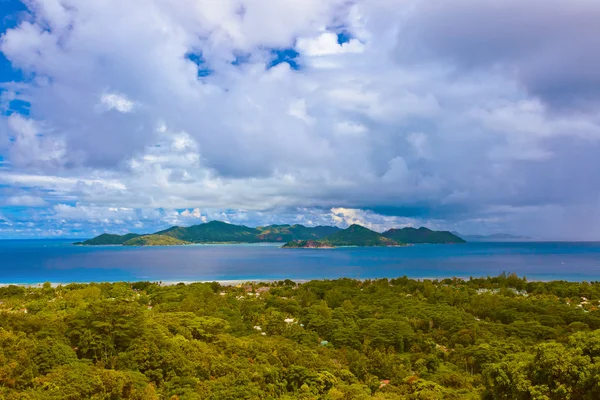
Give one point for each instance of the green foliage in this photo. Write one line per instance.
(214, 231)
(286, 233)
(107, 238)
(340, 339)
(295, 236)
(354, 235)
(154, 240)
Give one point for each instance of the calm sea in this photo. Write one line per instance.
(57, 261)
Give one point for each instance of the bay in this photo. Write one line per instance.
(58, 261)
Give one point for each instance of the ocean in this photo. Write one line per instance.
(58, 261)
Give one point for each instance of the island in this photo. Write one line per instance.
(108, 239)
(293, 236)
(308, 244)
(422, 235)
(354, 235)
(155, 240)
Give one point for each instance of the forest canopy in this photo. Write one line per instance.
(489, 338)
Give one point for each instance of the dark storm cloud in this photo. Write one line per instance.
(552, 46)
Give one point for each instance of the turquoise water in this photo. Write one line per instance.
(34, 261)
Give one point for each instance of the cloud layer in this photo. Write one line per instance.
(475, 115)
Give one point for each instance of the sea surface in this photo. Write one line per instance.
(58, 261)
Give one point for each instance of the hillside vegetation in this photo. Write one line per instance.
(154, 240)
(108, 239)
(354, 235)
(222, 232)
(294, 235)
(494, 338)
(286, 233)
(214, 231)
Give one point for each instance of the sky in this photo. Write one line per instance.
(476, 116)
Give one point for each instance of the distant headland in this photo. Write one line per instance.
(293, 236)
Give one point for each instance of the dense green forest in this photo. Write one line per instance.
(492, 338)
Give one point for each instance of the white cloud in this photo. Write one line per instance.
(193, 214)
(350, 128)
(114, 101)
(298, 109)
(94, 214)
(57, 182)
(25, 201)
(348, 216)
(327, 44)
(30, 146)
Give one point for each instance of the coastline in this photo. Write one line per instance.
(32, 263)
(227, 282)
(186, 244)
(234, 282)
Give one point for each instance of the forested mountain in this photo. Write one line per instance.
(154, 240)
(422, 235)
(286, 233)
(354, 235)
(214, 231)
(108, 239)
(494, 338)
(222, 232)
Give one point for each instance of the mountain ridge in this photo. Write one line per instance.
(223, 232)
(422, 235)
(354, 235)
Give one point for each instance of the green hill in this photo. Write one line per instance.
(212, 232)
(108, 239)
(286, 233)
(222, 232)
(303, 236)
(354, 235)
(308, 244)
(154, 240)
(422, 235)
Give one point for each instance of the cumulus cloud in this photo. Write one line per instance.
(29, 146)
(94, 214)
(327, 44)
(449, 115)
(115, 101)
(348, 216)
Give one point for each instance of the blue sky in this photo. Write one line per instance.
(474, 116)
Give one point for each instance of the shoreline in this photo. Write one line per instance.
(234, 282)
